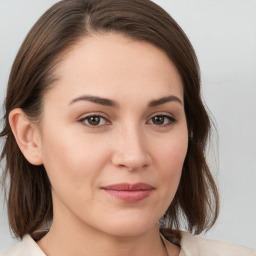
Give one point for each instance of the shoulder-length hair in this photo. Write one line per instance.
(195, 205)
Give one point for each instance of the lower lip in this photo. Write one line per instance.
(129, 195)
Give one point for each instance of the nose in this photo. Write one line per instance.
(130, 151)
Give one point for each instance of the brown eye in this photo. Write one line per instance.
(162, 120)
(158, 120)
(94, 121)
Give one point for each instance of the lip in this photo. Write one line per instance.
(129, 192)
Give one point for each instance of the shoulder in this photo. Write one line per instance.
(26, 247)
(196, 245)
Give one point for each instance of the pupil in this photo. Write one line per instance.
(158, 120)
(94, 120)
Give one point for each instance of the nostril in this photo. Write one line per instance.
(130, 162)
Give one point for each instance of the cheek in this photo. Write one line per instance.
(73, 159)
(171, 152)
(170, 158)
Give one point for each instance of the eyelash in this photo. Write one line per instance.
(84, 120)
(168, 121)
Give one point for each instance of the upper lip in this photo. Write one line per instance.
(128, 187)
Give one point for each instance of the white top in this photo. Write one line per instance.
(190, 246)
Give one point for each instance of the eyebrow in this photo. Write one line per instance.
(163, 100)
(112, 103)
(97, 100)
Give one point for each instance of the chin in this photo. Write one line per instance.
(130, 226)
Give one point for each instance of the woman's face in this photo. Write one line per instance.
(113, 135)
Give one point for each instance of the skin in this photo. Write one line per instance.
(130, 142)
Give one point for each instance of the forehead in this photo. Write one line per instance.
(108, 63)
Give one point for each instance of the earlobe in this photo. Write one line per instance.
(26, 135)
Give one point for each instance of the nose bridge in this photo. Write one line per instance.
(130, 150)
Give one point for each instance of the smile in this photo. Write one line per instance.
(129, 192)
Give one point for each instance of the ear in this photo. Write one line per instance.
(27, 136)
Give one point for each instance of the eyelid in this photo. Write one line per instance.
(161, 113)
(92, 113)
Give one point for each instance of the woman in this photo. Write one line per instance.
(105, 149)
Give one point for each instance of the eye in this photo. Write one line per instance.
(162, 120)
(94, 121)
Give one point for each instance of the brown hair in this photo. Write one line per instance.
(196, 202)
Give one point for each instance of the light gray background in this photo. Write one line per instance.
(224, 36)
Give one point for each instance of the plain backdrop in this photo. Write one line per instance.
(223, 34)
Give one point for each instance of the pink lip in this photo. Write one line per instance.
(129, 192)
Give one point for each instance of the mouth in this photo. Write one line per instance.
(129, 192)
